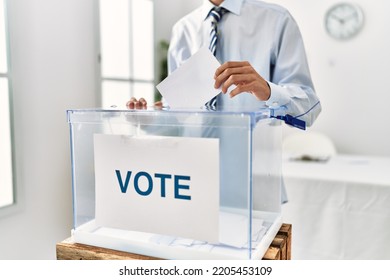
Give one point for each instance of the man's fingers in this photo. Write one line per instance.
(133, 103)
(158, 104)
(237, 79)
(246, 87)
(143, 102)
(240, 68)
(230, 64)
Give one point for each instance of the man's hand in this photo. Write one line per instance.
(133, 103)
(244, 76)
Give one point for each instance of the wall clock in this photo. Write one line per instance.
(344, 20)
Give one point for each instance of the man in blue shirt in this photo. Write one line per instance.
(262, 55)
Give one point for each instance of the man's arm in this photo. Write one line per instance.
(290, 84)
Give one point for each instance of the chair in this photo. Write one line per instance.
(309, 146)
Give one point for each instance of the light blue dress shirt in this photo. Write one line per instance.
(264, 34)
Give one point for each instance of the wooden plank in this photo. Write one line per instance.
(286, 230)
(273, 253)
(67, 250)
(280, 242)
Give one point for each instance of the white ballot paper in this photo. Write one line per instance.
(192, 84)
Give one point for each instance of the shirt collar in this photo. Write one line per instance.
(233, 6)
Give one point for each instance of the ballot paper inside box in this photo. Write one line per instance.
(183, 184)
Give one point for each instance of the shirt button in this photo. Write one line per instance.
(275, 104)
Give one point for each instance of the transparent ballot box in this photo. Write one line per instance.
(176, 184)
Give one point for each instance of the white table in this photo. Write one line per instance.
(339, 209)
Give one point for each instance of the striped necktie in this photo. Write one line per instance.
(216, 15)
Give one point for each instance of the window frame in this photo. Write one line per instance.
(16, 205)
(131, 81)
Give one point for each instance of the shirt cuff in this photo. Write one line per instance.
(278, 97)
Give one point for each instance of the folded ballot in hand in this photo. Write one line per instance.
(192, 84)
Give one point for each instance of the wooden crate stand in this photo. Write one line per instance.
(280, 249)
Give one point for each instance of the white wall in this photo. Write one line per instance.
(52, 52)
(350, 77)
(166, 17)
(167, 12)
